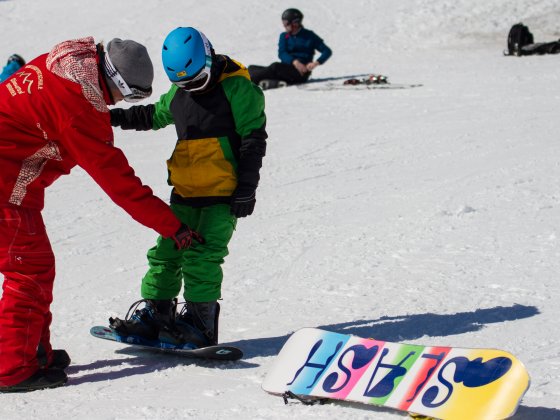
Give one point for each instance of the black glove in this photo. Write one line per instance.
(184, 236)
(243, 201)
(138, 117)
(117, 116)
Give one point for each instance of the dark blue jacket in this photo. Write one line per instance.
(302, 46)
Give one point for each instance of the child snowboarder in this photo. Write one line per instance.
(214, 170)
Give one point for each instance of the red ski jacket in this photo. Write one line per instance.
(53, 116)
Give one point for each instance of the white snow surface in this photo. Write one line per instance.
(428, 215)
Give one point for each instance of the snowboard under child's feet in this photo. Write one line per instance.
(218, 352)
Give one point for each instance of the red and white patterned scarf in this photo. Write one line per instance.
(76, 60)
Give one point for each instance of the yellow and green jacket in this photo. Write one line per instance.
(221, 137)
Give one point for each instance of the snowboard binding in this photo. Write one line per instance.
(372, 79)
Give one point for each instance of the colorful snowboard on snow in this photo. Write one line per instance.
(439, 382)
(218, 352)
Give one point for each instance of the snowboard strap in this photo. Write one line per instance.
(118, 325)
(305, 401)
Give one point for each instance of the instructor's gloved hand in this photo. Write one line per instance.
(184, 236)
(243, 201)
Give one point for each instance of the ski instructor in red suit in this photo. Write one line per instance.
(54, 116)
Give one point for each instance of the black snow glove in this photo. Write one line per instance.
(243, 201)
(184, 236)
(252, 151)
(138, 117)
(117, 117)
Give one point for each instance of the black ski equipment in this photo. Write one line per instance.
(518, 37)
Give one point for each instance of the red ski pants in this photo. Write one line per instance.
(27, 263)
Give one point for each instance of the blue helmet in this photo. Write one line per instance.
(186, 53)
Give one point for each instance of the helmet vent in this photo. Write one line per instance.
(188, 39)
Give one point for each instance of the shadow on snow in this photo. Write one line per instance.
(533, 413)
(142, 361)
(401, 328)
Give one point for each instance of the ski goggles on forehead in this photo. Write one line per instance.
(130, 93)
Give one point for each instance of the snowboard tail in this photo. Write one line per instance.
(439, 382)
(217, 352)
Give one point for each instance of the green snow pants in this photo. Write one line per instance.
(200, 266)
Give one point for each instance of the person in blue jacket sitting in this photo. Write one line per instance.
(296, 48)
(15, 62)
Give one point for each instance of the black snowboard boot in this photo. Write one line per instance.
(60, 359)
(155, 321)
(272, 84)
(43, 378)
(198, 323)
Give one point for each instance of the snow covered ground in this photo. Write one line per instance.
(428, 215)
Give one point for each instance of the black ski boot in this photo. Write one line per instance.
(43, 378)
(198, 323)
(155, 321)
(60, 358)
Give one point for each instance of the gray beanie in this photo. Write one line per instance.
(132, 61)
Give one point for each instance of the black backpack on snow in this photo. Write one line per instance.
(518, 37)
